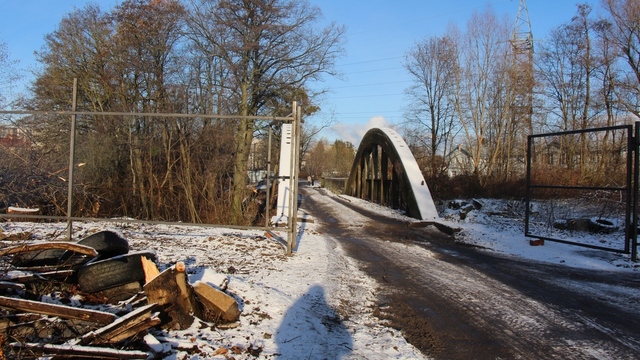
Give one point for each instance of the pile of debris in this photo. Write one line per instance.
(52, 293)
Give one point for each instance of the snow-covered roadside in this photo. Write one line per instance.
(315, 304)
(499, 228)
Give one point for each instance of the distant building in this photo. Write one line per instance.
(460, 162)
(10, 137)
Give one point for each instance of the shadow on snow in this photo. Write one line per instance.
(311, 329)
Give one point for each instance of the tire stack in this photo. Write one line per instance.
(116, 272)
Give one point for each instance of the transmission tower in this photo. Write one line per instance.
(521, 90)
(522, 69)
(522, 40)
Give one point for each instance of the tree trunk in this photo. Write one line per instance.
(243, 146)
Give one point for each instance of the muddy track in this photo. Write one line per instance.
(457, 302)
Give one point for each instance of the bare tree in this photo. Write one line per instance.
(145, 37)
(481, 91)
(263, 47)
(124, 61)
(433, 66)
(8, 74)
(567, 67)
(624, 32)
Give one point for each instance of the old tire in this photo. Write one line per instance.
(107, 243)
(112, 272)
(602, 226)
(122, 292)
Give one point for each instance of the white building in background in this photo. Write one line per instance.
(460, 162)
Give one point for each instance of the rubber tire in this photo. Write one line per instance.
(73, 261)
(107, 243)
(122, 292)
(112, 272)
(602, 226)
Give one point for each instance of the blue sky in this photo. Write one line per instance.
(379, 33)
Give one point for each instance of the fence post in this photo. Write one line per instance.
(291, 234)
(636, 169)
(72, 155)
(296, 169)
(268, 181)
(527, 198)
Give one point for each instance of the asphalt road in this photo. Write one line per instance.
(453, 301)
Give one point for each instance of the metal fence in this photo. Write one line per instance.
(294, 118)
(584, 181)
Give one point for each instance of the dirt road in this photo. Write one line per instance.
(457, 302)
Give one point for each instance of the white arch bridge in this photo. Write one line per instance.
(384, 171)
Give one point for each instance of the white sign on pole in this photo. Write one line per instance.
(284, 190)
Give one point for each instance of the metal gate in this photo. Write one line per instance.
(584, 180)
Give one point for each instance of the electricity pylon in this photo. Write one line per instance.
(521, 88)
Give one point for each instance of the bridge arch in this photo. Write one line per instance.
(384, 171)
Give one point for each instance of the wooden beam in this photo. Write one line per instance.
(65, 312)
(25, 278)
(123, 328)
(81, 249)
(80, 352)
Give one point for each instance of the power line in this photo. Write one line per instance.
(370, 111)
(372, 84)
(374, 70)
(370, 61)
(362, 96)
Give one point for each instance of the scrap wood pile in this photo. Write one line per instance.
(53, 296)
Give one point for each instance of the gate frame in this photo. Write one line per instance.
(631, 189)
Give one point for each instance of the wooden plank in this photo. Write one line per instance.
(131, 331)
(25, 278)
(81, 249)
(120, 329)
(66, 312)
(77, 351)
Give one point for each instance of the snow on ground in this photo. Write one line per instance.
(499, 226)
(315, 304)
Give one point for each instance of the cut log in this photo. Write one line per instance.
(171, 290)
(80, 352)
(150, 269)
(217, 306)
(65, 312)
(12, 210)
(125, 327)
(81, 249)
